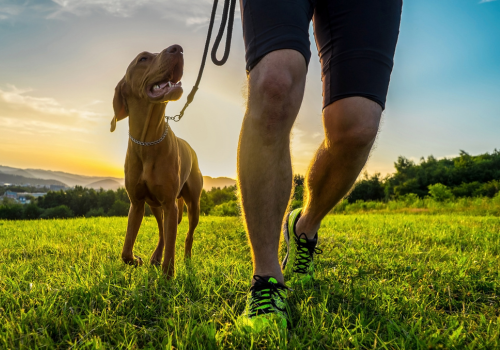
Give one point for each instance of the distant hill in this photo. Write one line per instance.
(21, 180)
(210, 182)
(42, 177)
(107, 184)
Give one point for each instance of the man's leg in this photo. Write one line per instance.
(276, 89)
(351, 126)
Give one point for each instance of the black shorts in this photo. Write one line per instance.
(356, 40)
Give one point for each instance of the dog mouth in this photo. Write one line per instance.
(164, 89)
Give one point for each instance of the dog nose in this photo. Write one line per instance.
(175, 49)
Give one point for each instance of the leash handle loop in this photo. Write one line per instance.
(222, 28)
(218, 39)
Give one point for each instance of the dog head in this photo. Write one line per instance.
(151, 77)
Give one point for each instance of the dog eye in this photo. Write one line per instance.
(142, 59)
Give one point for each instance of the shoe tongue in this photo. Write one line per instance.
(303, 239)
(272, 280)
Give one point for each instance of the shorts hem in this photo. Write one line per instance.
(341, 97)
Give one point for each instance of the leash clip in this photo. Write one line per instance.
(175, 118)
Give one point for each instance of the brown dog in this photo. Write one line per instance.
(160, 169)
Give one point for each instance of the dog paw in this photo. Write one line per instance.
(137, 261)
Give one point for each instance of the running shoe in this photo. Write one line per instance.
(266, 304)
(298, 265)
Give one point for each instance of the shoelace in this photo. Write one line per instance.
(264, 294)
(305, 251)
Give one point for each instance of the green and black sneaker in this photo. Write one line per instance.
(266, 304)
(298, 265)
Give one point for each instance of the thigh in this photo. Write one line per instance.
(270, 25)
(356, 42)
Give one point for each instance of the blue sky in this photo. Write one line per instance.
(60, 61)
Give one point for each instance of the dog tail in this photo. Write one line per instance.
(180, 208)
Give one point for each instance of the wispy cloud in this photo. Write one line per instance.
(30, 127)
(10, 10)
(126, 8)
(46, 105)
(195, 14)
(27, 9)
(483, 1)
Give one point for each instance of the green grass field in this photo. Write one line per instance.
(384, 281)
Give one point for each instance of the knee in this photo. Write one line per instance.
(271, 100)
(351, 123)
(276, 88)
(273, 86)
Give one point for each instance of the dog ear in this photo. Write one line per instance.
(119, 105)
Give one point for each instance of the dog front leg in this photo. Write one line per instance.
(170, 231)
(135, 215)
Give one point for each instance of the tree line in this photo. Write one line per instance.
(441, 179)
(464, 176)
(444, 179)
(87, 202)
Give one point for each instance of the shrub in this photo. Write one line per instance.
(230, 208)
(95, 212)
(206, 203)
(489, 189)
(60, 212)
(466, 189)
(367, 189)
(440, 192)
(32, 211)
(409, 199)
(119, 208)
(11, 212)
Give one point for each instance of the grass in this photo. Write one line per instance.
(384, 281)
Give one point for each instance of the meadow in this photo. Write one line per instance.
(388, 281)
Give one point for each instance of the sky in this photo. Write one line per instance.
(60, 61)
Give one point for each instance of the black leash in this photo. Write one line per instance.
(229, 6)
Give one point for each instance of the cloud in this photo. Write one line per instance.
(7, 11)
(483, 1)
(175, 9)
(46, 105)
(194, 13)
(30, 127)
(27, 9)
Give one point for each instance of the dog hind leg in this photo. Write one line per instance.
(158, 253)
(194, 217)
(191, 194)
(170, 216)
(180, 206)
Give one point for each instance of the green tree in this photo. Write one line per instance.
(369, 188)
(11, 211)
(32, 211)
(230, 208)
(119, 208)
(59, 212)
(440, 192)
(206, 203)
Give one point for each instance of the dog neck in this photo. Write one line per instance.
(147, 122)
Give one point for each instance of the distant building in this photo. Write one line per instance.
(10, 194)
(42, 186)
(22, 197)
